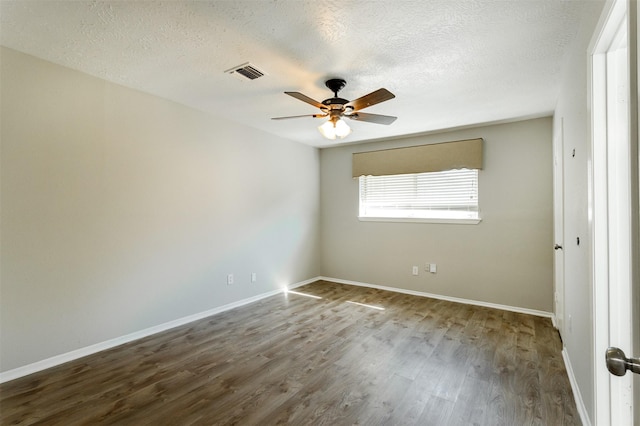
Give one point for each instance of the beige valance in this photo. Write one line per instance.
(466, 154)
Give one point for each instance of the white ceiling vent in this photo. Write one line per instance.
(247, 70)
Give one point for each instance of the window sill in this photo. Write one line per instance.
(420, 220)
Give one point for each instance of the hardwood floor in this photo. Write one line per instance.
(294, 359)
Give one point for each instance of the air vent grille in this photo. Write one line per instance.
(247, 70)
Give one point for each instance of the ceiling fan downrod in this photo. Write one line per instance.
(335, 85)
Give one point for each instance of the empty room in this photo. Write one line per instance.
(301, 212)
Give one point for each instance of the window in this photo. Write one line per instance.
(450, 195)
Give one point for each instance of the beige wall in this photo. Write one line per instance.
(506, 259)
(122, 211)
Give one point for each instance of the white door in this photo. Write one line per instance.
(558, 222)
(612, 171)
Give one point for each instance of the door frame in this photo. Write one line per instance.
(612, 304)
(634, 152)
(558, 225)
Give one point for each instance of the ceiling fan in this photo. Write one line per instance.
(336, 108)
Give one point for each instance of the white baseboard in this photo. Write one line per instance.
(582, 410)
(305, 282)
(92, 349)
(448, 298)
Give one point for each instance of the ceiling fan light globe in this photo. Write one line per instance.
(328, 130)
(342, 129)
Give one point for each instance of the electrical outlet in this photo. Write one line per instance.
(229, 279)
(254, 277)
(415, 270)
(433, 268)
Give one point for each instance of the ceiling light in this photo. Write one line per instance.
(335, 126)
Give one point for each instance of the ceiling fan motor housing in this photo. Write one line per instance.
(334, 101)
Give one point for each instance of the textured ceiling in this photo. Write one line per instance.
(450, 63)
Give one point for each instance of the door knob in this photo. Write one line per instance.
(557, 247)
(618, 363)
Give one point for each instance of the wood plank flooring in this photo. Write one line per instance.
(294, 359)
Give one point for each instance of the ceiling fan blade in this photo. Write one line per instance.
(372, 118)
(372, 98)
(300, 116)
(305, 98)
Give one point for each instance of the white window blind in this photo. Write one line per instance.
(450, 194)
